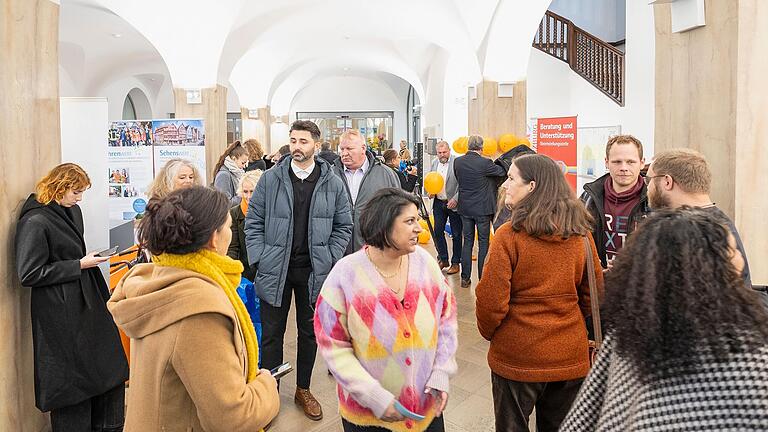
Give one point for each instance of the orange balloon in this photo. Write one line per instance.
(507, 142)
(423, 224)
(433, 183)
(424, 237)
(489, 146)
(525, 141)
(460, 145)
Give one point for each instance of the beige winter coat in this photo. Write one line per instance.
(188, 360)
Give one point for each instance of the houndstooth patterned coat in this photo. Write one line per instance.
(723, 396)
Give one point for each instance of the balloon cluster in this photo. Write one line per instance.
(491, 147)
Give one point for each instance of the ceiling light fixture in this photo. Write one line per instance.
(346, 69)
(116, 35)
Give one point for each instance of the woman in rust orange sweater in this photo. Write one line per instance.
(534, 296)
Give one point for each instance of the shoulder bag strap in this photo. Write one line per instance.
(593, 293)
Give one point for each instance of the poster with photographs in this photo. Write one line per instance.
(130, 134)
(129, 173)
(179, 139)
(138, 150)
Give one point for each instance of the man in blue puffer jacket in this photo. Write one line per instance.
(298, 225)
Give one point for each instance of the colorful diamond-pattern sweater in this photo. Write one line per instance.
(380, 349)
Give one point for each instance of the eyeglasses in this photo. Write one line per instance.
(648, 179)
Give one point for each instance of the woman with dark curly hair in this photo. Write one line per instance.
(194, 352)
(687, 342)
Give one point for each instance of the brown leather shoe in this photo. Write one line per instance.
(443, 264)
(453, 269)
(308, 403)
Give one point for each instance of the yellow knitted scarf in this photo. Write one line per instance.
(226, 273)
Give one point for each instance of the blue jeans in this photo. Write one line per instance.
(103, 413)
(442, 214)
(483, 224)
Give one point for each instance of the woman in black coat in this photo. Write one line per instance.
(80, 365)
(255, 155)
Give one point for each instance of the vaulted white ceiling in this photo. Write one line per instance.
(270, 50)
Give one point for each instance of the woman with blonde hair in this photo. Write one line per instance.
(175, 174)
(255, 156)
(80, 366)
(237, 249)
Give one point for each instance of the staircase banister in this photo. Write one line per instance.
(558, 17)
(599, 41)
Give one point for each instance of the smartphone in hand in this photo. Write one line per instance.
(107, 252)
(281, 370)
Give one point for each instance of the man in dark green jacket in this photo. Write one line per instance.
(298, 225)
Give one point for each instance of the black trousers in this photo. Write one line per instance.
(102, 413)
(513, 403)
(483, 224)
(442, 214)
(437, 425)
(274, 320)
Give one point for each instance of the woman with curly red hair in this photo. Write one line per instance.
(80, 366)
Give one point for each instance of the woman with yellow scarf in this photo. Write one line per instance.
(194, 352)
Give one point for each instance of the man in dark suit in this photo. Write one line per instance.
(327, 154)
(477, 177)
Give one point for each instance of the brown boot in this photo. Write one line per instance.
(443, 264)
(453, 269)
(308, 403)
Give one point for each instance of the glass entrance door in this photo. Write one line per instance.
(375, 126)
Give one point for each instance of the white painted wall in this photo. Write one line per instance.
(233, 101)
(351, 93)
(555, 90)
(603, 18)
(84, 127)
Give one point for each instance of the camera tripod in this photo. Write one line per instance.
(423, 212)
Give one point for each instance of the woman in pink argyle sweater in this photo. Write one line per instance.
(385, 323)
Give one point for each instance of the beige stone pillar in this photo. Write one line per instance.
(29, 147)
(213, 110)
(710, 96)
(258, 128)
(493, 116)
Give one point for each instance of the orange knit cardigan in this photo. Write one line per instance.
(531, 305)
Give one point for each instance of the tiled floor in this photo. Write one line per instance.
(470, 407)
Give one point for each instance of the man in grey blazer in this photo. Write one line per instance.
(444, 209)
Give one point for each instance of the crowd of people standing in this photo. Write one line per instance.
(336, 235)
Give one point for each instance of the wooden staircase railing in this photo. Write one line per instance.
(594, 59)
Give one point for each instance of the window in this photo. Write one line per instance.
(129, 110)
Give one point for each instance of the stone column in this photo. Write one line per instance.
(710, 96)
(493, 116)
(258, 128)
(29, 147)
(213, 110)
